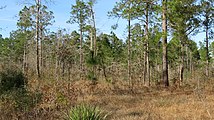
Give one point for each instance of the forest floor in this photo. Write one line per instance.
(191, 101)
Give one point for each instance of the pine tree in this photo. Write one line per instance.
(207, 14)
(80, 15)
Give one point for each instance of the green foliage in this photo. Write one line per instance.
(202, 51)
(18, 41)
(91, 60)
(155, 46)
(45, 19)
(183, 18)
(20, 99)
(92, 76)
(11, 79)
(86, 112)
(121, 9)
(61, 99)
(24, 21)
(110, 49)
(13, 90)
(174, 52)
(207, 13)
(194, 49)
(79, 13)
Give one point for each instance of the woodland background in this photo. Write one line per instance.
(44, 72)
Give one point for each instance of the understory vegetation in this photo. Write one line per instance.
(105, 100)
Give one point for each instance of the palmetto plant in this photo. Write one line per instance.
(86, 112)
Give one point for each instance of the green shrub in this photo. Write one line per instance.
(11, 78)
(86, 112)
(20, 99)
(26, 100)
(92, 76)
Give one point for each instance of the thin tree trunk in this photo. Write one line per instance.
(57, 60)
(207, 52)
(190, 62)
(69, 71)
(25, 56)
(91, 42)
(104, 71)
(147, 42)
(41, 49)
(93, 38)
(129, 50)
(24, 59)
(164, 42)
(81, 54)
(187, 57)
(94, 29)
(37, 38)
(182, 63)
(144, 63)
(63, 68)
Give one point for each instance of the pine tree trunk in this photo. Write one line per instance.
(24, 59)
(207, 52)
(25, 56)
(37, 38)
(182, 63)
(144, 64)
(41, 50)
(147, 42)
(57, 57)
(91, 42)
(95, 37)
(81, 54)
(129, 50)
(93, 31)
(190, 62)
(164, 42)
(187, 57)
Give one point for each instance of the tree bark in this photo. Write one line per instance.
(24, 60)
(182, 63)
(144, 63)
(25, 55)
(41, 49)
(81, 54)
(164, 42)
(37, 37)
(57, 71)
(147, 42)
(91, 42)
(129, 49)
(190, 62)
(207, 52)
(94, 31)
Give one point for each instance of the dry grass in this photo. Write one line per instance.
(120, 102)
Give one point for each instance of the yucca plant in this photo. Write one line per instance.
(86, 112)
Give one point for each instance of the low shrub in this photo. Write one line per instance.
(10, 79)
(86, 112)
(20, 99)
(13, 90)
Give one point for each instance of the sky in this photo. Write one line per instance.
(61, 10)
